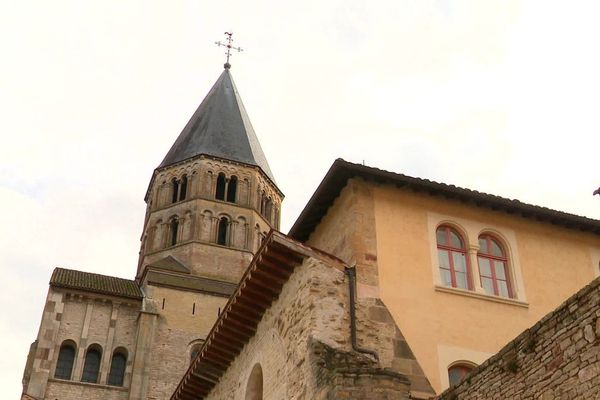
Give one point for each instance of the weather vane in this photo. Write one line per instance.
(229, 48)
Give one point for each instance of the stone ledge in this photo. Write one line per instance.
(88, 384)
(467, 293)
(197, 242)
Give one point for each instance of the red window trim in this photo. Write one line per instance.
(449, 248)
(492, 257)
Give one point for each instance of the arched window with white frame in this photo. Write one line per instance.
(452, 257)
(493, 267)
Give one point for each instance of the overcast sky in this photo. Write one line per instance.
(498, 96)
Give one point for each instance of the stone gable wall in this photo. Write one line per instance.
(304, 349)
(557, 358)
(178, 326)
(83, 318)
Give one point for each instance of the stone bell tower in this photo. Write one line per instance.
(213, 198)
(210, 203)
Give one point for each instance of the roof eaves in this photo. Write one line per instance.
(260, 286)
(341, 170)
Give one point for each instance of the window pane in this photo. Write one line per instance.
(457, 373)
(91, 366)
(441, 236)
(455, 240)
(455, 376)
(444, 259)
(496, 249)
(460, 262)
(488, 285)
(500, 270)
(484, 267)
(64, 365)
(446, 279)
(461, 280)
(483, 247)
(502, 288)
(117, 370)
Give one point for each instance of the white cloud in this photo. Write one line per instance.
(499, 96)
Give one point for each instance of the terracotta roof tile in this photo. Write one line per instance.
(341, 170)
(69, 278)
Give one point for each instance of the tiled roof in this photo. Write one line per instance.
(342, 170)
(220, 127)
(72, 279)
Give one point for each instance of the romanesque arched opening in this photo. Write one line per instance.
(116, 375)
(254, 387)
(232, 189)
(66, 358)
(222, 231)
(220, 193)
(91, 365)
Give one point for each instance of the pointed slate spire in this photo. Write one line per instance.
(220, 127)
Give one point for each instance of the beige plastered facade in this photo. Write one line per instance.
(389, 233)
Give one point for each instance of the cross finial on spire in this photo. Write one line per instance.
(229, 47)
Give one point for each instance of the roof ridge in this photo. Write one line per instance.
(450, 185)
(342, 170)
(94, 282)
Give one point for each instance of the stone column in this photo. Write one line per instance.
(83, 344)
(146, 326)
(232, 234)
(472, 254)
(107, 356)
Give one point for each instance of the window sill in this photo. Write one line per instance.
(97, 385)
(468, 293)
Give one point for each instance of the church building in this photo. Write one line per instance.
(386, 287)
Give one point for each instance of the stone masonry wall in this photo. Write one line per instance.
(348, 232)
(183, 318)
(312, 313)
(557, 358)
(85, 319)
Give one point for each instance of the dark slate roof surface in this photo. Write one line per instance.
(341, 170)
(220, 127)
(170, 263)
(72, 279)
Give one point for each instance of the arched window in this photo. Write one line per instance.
(493, 267)
(452, 255)
(175, 185)
(183, 188)
(91, 366)
(116, 376)
(254, 388)
(268, 209)
(457, 373)
(262, 203)
(66, 357)
(232, 189)
(222, 231)
(173, 228)
(220, 194)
